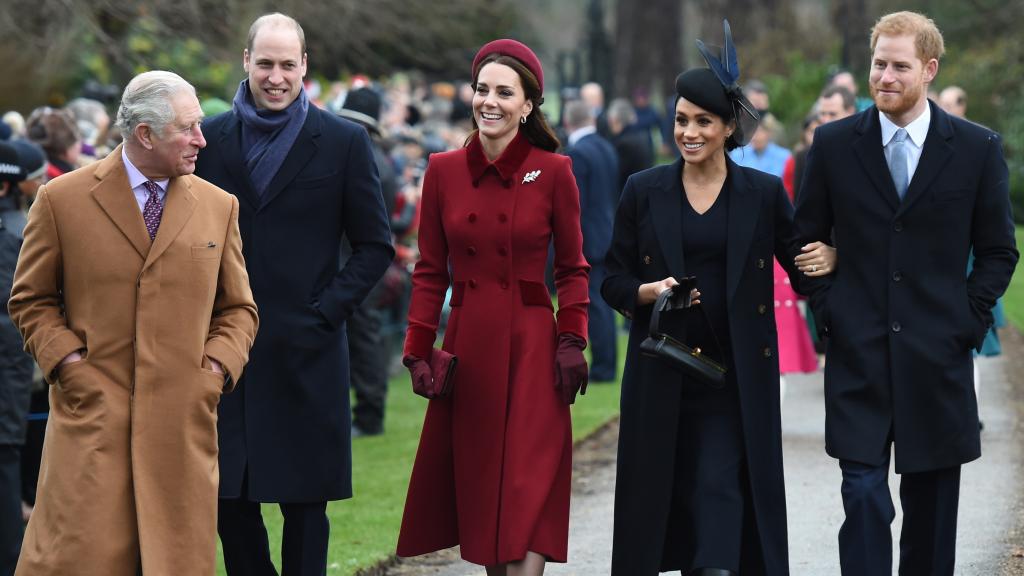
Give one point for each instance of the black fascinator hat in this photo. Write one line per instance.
(717, 90)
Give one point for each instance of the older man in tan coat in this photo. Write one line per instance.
(132, 295)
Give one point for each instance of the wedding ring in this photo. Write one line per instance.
(814, 267)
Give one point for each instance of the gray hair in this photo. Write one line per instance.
(622, 112)
(147, 100)
(578, 114)
(87, 114)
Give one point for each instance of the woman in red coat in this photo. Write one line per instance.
(492, 473)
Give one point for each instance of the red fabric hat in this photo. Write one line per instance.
(515, 49)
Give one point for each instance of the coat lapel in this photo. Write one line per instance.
(666, 199)
(744, 210)
(868, 149)
(934, 155)
(230, 139)
(179, 204)
(114, 195)
(302, 151)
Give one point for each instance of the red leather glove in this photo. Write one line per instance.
(570, 367)
(422, 380)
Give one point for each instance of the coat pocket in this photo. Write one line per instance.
(208, 251)
(534, 294)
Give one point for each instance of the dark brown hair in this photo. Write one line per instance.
(53, 130)
(536, 128)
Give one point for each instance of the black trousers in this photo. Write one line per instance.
(11, 527)
(243, 537)
(928, 542)
(368, 357)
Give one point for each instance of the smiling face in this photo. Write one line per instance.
(499, 103)
(899, 79)
(276, 66)
(700, 135)
(174, 151)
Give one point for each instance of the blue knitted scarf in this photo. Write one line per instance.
(267, 136)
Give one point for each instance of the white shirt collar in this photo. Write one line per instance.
(136, 178)
(917, 130)
(579, 133)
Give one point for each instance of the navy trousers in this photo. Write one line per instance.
(928, 542)
(601, 327)
(247, 550)
(12, 528)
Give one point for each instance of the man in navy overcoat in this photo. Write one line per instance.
(596, 169)
(304, 179)
(905, 191)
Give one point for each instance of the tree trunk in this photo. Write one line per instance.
(647, 45)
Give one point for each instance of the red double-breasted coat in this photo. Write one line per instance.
(492, 473)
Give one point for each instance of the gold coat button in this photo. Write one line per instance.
(760, 263)
(761, 309)
(768, 352)
(647, 259)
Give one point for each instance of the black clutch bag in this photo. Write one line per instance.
(690, 361)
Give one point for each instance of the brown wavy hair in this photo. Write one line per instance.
(536, 129)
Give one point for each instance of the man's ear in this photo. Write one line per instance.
(5, 187)
(144, 134)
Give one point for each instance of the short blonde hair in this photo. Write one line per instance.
(927, 38)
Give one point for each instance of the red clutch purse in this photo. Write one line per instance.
(442, 369)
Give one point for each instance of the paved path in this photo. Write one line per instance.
(990, 504)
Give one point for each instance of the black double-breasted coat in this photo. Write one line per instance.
(286, 431)
(901, 313)
(647, 246)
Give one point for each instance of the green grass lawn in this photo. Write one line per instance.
(364, 530)
(1013, 300)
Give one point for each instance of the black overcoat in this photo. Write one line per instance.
(646, 247)
(286, 430)
(901, 313)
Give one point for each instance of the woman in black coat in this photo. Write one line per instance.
(699, 484)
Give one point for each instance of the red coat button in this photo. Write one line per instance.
(502, 218)
(504, 284)
(471, 250)
(472, 283)
(503, 251)
(472, 217)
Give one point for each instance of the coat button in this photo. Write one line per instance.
(472, 283)
(647, 259)
(896, 327)
(897, 276)
(761, 309)
(767, 352)
(502, 251)
(502, 218)
(472, 217)
(471, 250)
(760, 263)
(504, 284)
(898, 226)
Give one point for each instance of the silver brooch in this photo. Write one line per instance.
(531, 176)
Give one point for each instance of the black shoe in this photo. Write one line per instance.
(712, 572)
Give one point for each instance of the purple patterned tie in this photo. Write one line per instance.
(154, 208)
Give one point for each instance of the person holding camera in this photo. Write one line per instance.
(699, 485)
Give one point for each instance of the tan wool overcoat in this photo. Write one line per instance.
(129, 471)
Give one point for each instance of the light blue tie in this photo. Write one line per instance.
(898, 162)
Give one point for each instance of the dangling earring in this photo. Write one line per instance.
(522, 119)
